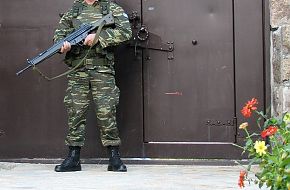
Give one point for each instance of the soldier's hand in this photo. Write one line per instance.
(89, 40)
(65, 47)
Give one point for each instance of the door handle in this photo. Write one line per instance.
(143, 33)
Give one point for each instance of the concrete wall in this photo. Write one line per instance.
(280, 20)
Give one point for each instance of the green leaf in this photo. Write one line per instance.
(261, 113)
(287, 148)
(249, 143)
(258, 122)
(272, 121)
(266, 123)
(272, 159)
(285, 162)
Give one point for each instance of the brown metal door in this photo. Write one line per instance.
(32, 115)
(191, 97)
(170, 108)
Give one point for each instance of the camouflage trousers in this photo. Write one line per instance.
(105, 96)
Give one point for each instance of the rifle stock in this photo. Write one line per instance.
(74, 38)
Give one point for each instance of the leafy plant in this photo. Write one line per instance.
(270, 149)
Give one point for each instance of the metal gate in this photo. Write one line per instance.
(189, 97)
(183, 79)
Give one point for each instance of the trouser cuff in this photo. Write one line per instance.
(74, 144)
(111, 143)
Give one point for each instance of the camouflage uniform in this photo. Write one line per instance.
(96, 74)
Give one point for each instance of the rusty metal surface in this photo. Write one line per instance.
(197, 86)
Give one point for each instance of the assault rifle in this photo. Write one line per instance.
(74, 38)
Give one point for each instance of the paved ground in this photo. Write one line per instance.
(139, 177)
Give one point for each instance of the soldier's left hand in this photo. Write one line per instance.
(89, 40)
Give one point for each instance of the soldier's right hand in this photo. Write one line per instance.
(65, 47)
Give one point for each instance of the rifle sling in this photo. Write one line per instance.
(96, 39)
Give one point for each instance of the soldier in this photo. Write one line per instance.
(96, 75)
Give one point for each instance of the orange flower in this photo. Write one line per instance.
(271, 130)
(243, 174)
(244, 125)
(249, 107)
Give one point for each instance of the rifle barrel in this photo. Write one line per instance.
(21, 71)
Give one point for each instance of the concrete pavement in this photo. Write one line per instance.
(15, 176)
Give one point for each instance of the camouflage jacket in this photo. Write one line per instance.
(109, 36)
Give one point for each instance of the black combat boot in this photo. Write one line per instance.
(115, 163)
(72, 162)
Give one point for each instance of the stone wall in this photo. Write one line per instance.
(280, 20)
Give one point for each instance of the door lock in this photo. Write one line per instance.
(148, 41)
(143, 33)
